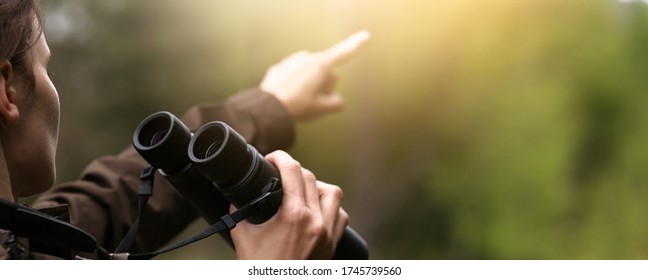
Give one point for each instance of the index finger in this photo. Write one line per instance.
(291, 176)
(345, 49)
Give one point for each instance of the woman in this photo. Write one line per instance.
(104, 200)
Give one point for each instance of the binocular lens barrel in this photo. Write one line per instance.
(222, 153)
(238, 169)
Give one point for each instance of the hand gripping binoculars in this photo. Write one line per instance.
(215, 167)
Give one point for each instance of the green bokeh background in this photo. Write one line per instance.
(501, 129)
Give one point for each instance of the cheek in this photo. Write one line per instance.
(50, 106)
(55, 112)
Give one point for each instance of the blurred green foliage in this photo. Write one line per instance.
(499, 129)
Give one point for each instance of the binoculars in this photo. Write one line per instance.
(215, 167)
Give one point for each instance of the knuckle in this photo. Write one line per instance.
(318, 229)
(333, 190)
(337, 192)
(293, 215)
(320, 67)
(292, 166)
(308, 175)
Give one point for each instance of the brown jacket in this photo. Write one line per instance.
(104, 199)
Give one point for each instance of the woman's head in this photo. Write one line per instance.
(29, 104)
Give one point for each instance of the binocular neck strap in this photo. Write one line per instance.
(145, 192)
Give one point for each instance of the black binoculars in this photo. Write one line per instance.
(215, 167)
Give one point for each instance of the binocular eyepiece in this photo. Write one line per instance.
(215, 167)
(162, 140)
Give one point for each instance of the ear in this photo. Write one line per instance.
(9, 114)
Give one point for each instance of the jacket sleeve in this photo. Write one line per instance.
(103, 201)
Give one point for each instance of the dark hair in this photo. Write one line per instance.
(20, 28)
